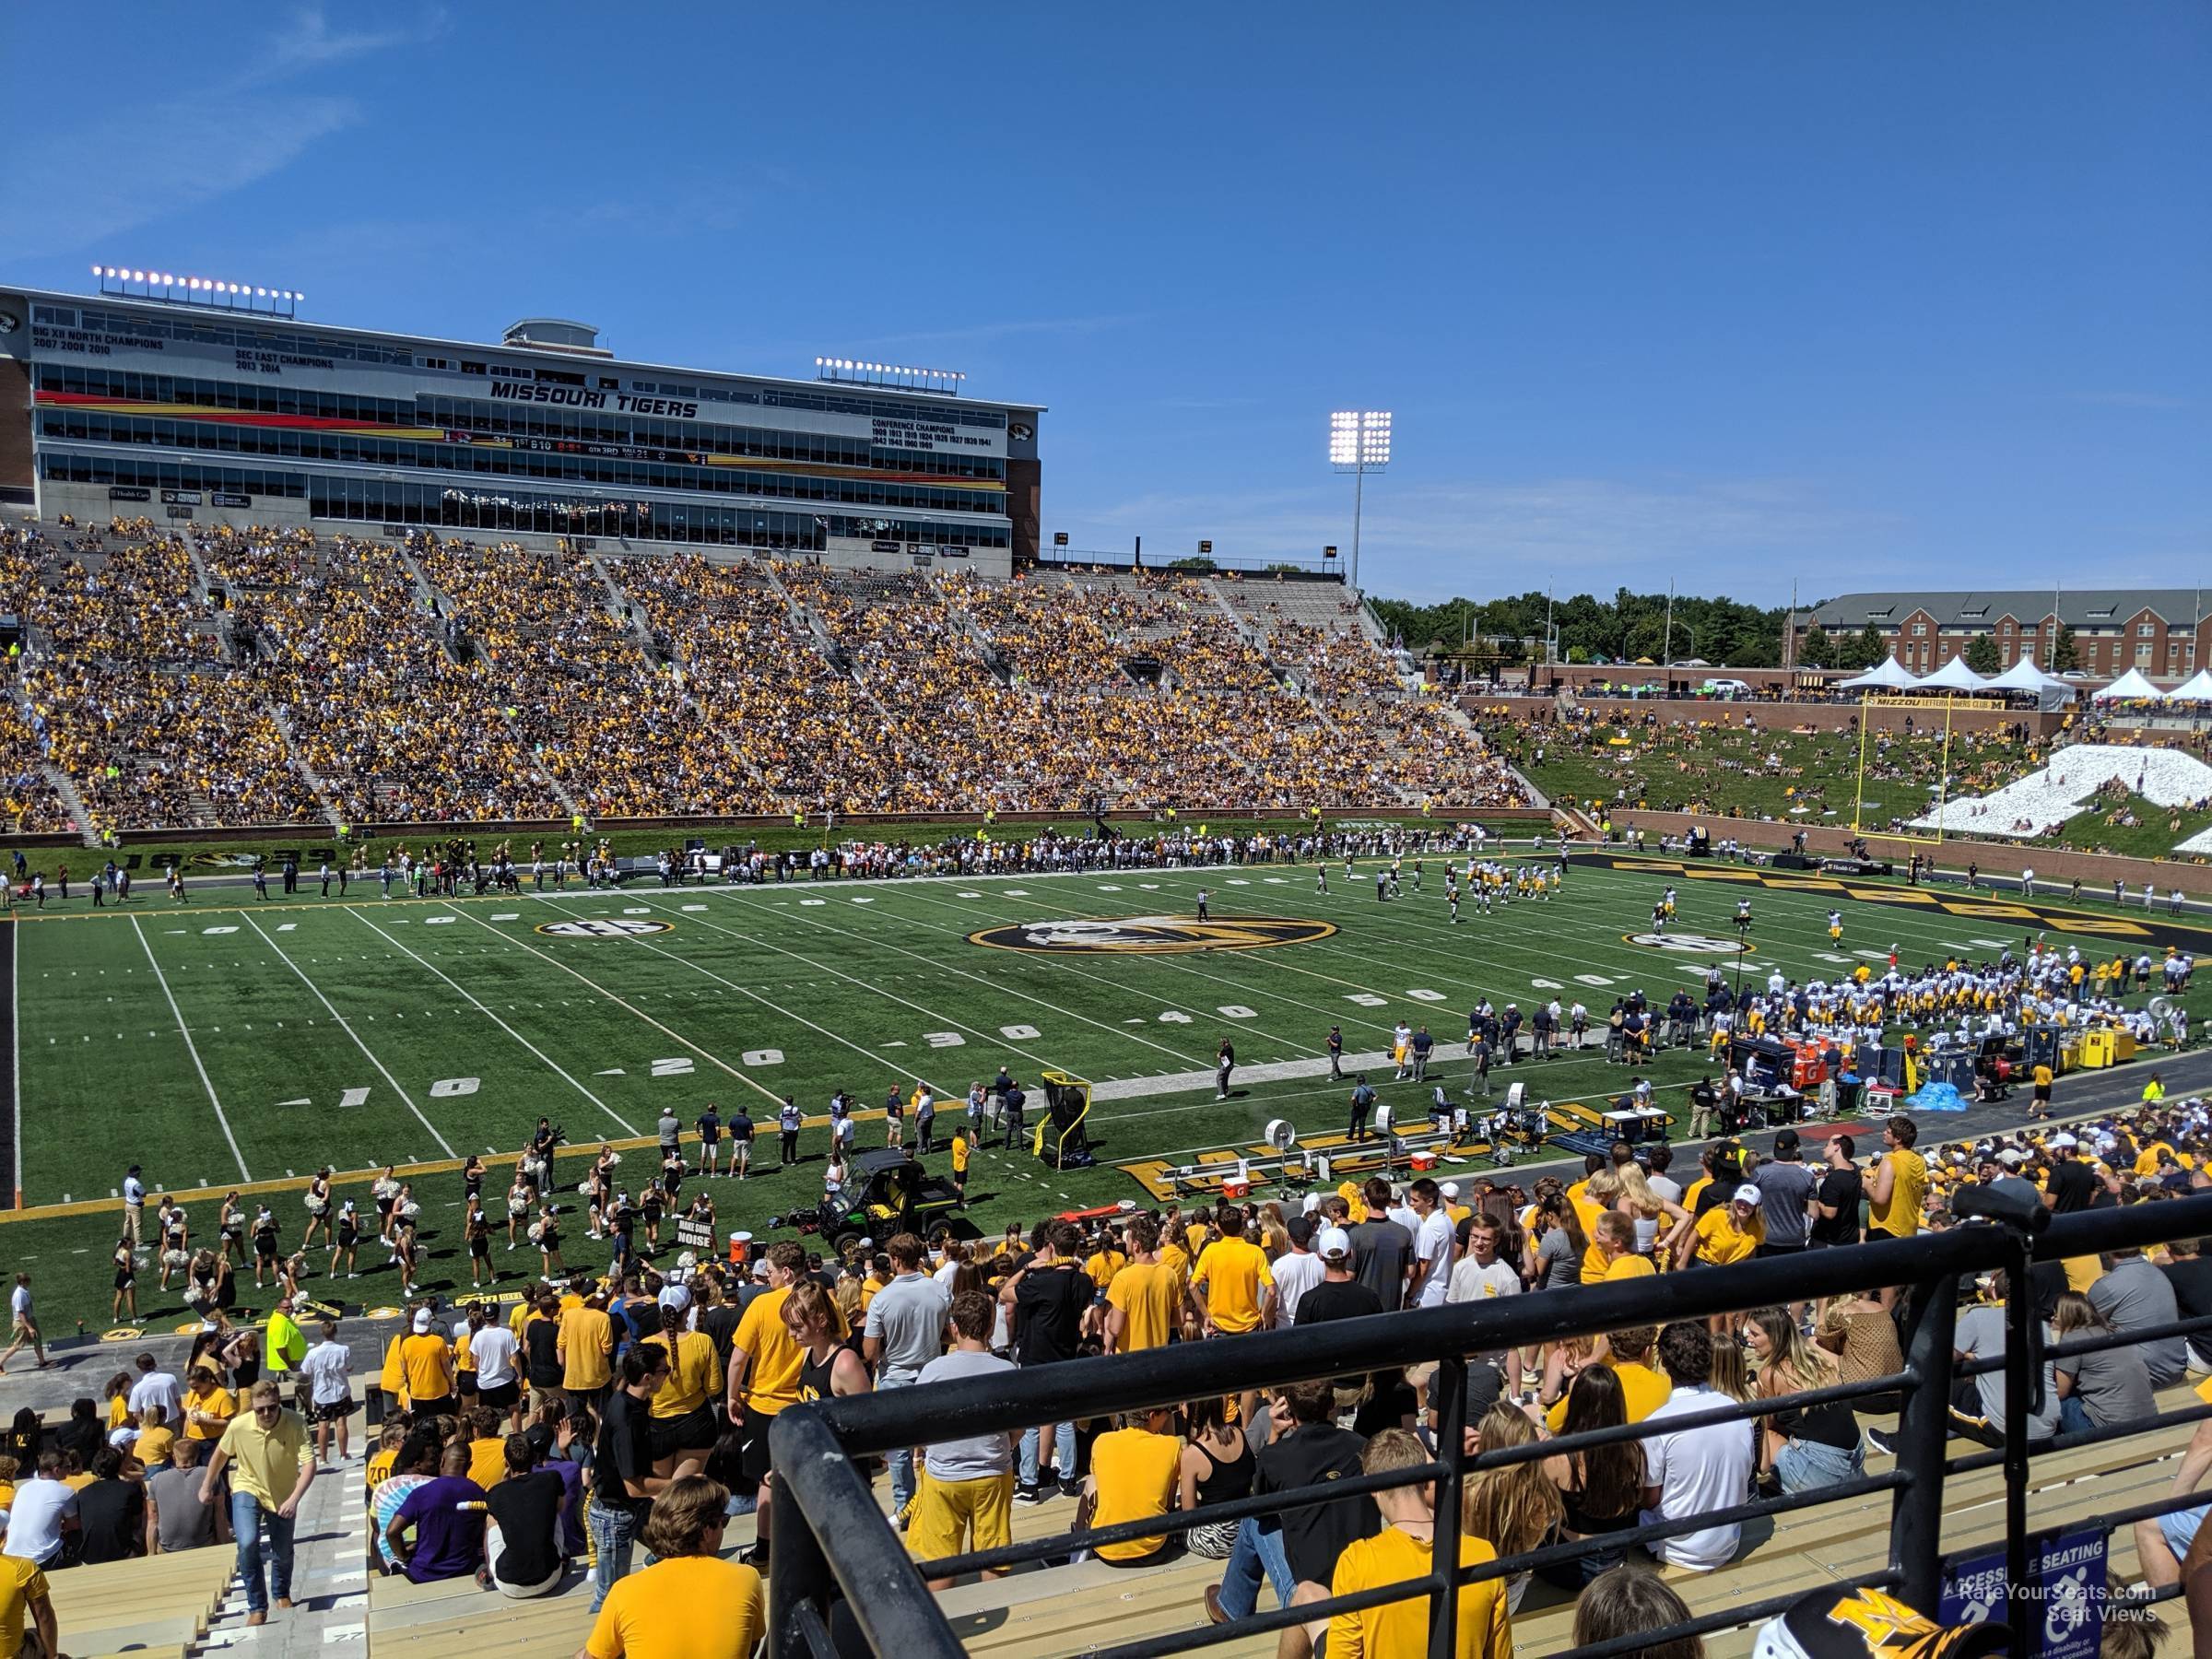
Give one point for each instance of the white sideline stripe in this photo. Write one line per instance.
(191, 1048)
(346, 1025)
(675, 1036)
(1273, 1071)
(503, 1026)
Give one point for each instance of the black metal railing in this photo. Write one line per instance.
(833, 1541)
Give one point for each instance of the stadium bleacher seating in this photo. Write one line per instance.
(236, 677)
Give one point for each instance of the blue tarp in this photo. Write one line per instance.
(1938, 1096)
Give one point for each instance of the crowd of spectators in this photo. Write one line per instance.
(181, 677)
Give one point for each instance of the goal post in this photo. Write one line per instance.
(1868, 702)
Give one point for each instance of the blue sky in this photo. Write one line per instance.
(1878, 294)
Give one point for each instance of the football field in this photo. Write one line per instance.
(229, 1041)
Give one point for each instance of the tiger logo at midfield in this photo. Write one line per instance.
(1153, 936)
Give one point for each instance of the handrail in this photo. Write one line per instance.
(814, 1444)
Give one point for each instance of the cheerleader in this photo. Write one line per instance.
(204, 1280)
(385, 1192)
(472, 1182)
(545, 1232)
(403, 1257)
(293, 1273)
(230, 1229)
(126, 1280)
(346, 1237)
(478, 1231)
(518, 1207)
(701, 1211)
(177, 1260)
(318, 1207)
(595, 1193)
(264, 1245)
(672, 1177)
(170, 1223)
(652, 1202)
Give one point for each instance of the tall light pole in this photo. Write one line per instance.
(1359, 443)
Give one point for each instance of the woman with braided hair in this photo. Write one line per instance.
(686, 1419)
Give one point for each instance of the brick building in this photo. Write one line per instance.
(2162, 632)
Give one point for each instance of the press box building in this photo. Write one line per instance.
(159, 399)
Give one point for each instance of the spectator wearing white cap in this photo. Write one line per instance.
(1340, 1295)
(1724, 1234)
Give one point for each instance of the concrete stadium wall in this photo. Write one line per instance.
(1770, 716)
(2097, 870)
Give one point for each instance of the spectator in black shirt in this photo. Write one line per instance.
(84, 1433)
(1300, 1545)
(541, 1348)
(1046, 1299)
(1338, 1296)
(623, 1484)
(1835, 1208)
(2191, 1276)
(111, 1512)
(522, 1548)
(2072, 1185)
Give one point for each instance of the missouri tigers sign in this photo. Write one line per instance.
(603, 927)
(1153, 936)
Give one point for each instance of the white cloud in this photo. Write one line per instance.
(80, 183)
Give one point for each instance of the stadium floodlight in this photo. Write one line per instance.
(1359, 443)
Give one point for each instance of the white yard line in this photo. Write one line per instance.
(346, 1025)
(675, 1036)
(860, 1049)
(943, 967)
(191, 1048)
(503, 1026)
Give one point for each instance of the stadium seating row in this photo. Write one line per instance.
(269, 678)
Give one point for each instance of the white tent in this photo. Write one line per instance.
(1890, 676)
(1954, 675)
(2024, 676)
(2195, 689)
(2130, 686)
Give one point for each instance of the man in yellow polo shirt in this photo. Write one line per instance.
(1143, 1300)
(1232, 1284)
(271, 1467)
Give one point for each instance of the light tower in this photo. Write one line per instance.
(1359, 443)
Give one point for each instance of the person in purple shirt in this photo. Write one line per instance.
(449, 1537)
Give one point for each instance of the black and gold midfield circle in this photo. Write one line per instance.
(1153, 936)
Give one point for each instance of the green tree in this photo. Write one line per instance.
(1869, 649)
(2066, 655)
(1818, 651)
(1982, 655)
(1196, 561)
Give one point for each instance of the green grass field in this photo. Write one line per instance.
(228, 1040)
